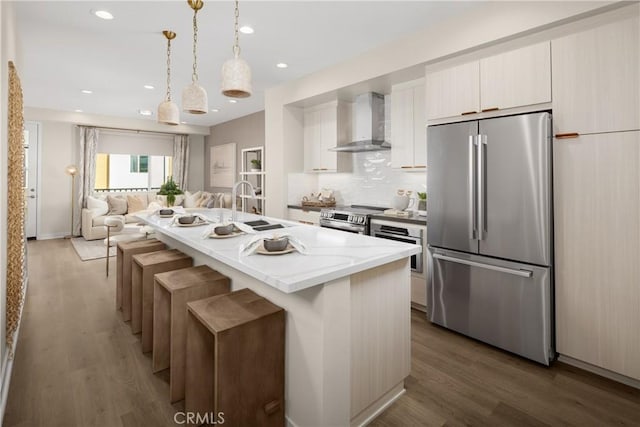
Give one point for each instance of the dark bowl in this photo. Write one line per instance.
(223, 230)
(276, 245)
(187, 219)
(166, 211)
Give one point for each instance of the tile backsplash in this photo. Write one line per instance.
(373, 182)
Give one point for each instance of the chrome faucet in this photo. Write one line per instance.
(234, 205)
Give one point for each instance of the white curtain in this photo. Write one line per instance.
(86, 173)
(181, 160)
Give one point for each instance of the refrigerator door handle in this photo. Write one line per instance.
(471, 188)
(481, 216)
(521, 273)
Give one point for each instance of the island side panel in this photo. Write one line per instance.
(381, 337)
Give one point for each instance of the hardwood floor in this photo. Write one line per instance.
(77, 364)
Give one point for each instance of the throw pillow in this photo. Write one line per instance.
(97, 206)
(204, 198)
(214, 200)
(117, 205)
(191, 199)
(135, 204)
(162, 200)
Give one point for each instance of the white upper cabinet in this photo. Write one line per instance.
(408, 126)
(325, 127)
(516, 78)
(596, 79)
(453, 91)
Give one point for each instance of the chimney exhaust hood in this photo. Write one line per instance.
(369, 125)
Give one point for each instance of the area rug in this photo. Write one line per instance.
(91, 249)
(95, 249)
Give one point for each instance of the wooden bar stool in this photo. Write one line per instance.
(235, 359)
(143, 268)
(126, 250)
(172, 291)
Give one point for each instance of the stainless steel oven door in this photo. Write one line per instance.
(416, 260)
(343, 226)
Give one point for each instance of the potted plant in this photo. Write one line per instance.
(422, 201)
(170, 189)
(256, 165)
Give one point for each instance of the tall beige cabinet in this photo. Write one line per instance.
(596, 106)
(408, 126)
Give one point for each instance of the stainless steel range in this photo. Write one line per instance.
(353, 219)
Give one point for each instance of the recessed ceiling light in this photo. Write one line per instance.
(246, 29)
(282, 65)
(87, 91)
(103, 14)
(184, 123)
(215, 110)
(145, 112)
(149, 87)
(78, 111)
(233, 101)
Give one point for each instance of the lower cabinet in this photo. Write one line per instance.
(419, 290)
(304, 217)
(597, 245)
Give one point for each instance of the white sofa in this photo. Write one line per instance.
(93, 227)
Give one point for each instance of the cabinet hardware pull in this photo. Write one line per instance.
(466, 113)
(272, 407)
(486, 110)
(420, 166)
(567, 135)
(406, 167)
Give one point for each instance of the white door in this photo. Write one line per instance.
(31, 131)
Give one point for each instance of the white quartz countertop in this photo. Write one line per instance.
(331, 254)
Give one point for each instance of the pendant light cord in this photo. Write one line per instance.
(194, 76)
(169, 69)
(236, 41)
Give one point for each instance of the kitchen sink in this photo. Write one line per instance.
(262, 225)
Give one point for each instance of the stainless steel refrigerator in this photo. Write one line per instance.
(490, 232)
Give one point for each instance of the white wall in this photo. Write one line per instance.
(60, 139)
(486, 25)
(196, 178)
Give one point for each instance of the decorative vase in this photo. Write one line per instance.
(422, 205)
(171, 199)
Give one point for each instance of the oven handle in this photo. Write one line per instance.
(344, 227)
(382, 235)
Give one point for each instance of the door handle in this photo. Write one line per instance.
(471, 189)
(482, 142)
(520, 273)
(32, 197)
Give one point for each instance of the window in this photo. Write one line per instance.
(133, 160)
(131, 171)
(139, 164)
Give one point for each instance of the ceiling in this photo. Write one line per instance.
(65, 49)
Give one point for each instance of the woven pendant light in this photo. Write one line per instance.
(194, 97)
(236, 74)
(168, 111)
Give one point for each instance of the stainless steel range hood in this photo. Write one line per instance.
(369, 125)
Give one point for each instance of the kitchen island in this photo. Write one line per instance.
(348, 337)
